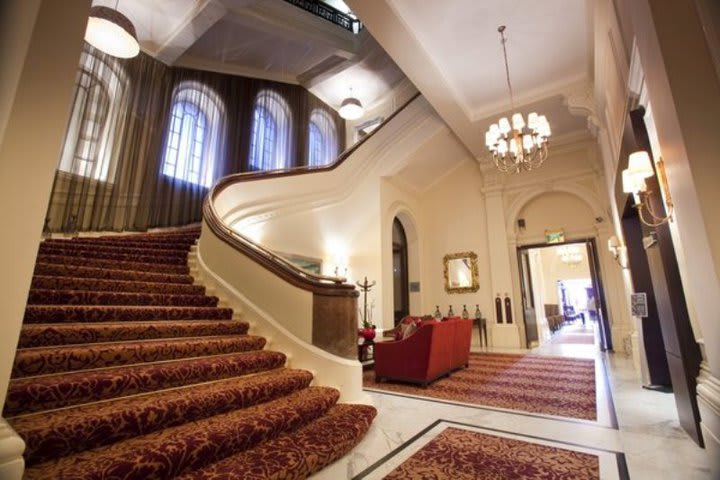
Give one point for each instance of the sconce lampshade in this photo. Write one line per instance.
(639, 164)
(632, 182)
(351, 109)
(111, 32)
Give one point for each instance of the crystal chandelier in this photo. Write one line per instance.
(517, 145)
(570, 255)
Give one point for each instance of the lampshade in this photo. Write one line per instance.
(632, 182)
(351, 109)
(111, 32)
(639, 164)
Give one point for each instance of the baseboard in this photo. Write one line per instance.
(12, 464)
(708, 395)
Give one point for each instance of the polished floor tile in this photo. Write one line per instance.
(646, 430)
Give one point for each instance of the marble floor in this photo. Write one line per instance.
(637, 434)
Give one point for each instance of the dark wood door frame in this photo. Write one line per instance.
(682, 351)
(400, 248)
(606, 343)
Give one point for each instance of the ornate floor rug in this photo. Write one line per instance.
(531, 383)
(463, 454)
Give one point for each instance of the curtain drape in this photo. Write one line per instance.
(145, 141)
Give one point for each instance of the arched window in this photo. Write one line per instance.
(193, 140)
(270, 138)
(98, 95)
(322, 139)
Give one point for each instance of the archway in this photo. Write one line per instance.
(401, 292)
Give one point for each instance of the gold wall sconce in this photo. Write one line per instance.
(618, 251)
(640, 168)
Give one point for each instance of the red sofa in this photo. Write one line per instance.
(434, 350)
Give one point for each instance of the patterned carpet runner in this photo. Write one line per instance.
(532, 383)
(126, 369)
(463, 454)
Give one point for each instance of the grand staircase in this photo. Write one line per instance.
(127, 370)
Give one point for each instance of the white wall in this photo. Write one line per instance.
(41, 43)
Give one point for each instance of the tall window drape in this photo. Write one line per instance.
(322, 139)
(270, 145)
(145, 142)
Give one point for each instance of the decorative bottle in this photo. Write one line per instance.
(465, 313)
(437, 314)
(450, 312)
(478, 315)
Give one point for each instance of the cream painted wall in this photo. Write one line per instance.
(31, 144)
(555, 211)
(454, 212)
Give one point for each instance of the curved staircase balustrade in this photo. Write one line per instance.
(333, 306)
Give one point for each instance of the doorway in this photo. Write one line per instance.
(401, 295)
(563, 300)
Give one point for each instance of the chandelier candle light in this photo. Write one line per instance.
(517, 145)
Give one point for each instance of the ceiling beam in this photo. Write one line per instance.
(196, 23)
(392, 33)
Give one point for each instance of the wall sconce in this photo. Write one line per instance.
(618, 251)
(640, 168)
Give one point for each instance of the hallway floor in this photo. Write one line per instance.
(649, 443)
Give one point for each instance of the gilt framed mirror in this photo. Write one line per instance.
(461, 272)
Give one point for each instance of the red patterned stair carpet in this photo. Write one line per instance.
(127, 370)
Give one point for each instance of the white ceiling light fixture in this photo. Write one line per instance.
(516, 145)
(570, 255)
(111, 32)
(351, 108)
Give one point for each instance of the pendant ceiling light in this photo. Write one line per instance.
(351, 108)
(111, 32)
(516, 145)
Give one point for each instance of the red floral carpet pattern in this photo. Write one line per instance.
(79, 283)
(532, 383)
(67, 431)
(127, 370)
(45, 360)
(93, 313)
(47, 334)
(42, 268)
(296, 455)
(464, 455)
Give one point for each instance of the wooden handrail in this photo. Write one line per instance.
(320, 284)
(228, 180)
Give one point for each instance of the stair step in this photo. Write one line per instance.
(41, 296)
(169, 452)
(47, 334)
(79, 249)
(70, 358)
(100, 313)
(123, 257)
(89, 242)
(147, 239)
(304, 451)
(114, 264)
(52, 269)
(27, 395)
(78, 283)
(58, 433)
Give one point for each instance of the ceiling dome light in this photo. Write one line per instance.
(351, 109)
(111, 32)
